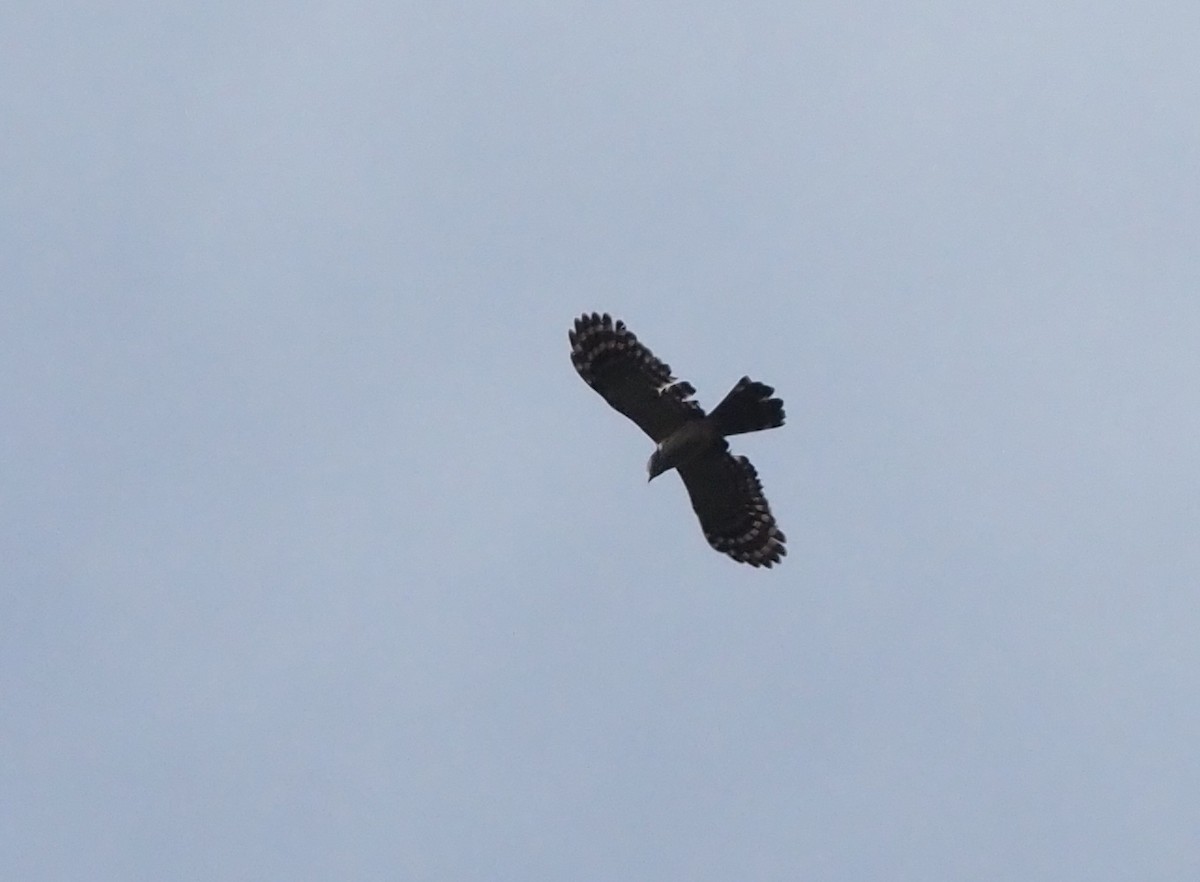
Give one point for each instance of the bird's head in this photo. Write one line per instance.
(656, 466)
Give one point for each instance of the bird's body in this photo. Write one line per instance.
(692, 439)
(725, 492)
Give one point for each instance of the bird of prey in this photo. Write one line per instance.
(724, 489)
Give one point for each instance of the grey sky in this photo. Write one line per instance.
(322, 563)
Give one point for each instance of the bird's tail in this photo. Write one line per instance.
(748, 407)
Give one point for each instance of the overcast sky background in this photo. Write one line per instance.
(320, 562)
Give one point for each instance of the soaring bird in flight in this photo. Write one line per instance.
(725, 491)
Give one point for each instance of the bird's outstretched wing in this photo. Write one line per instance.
(611, 360)
(734, 515)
